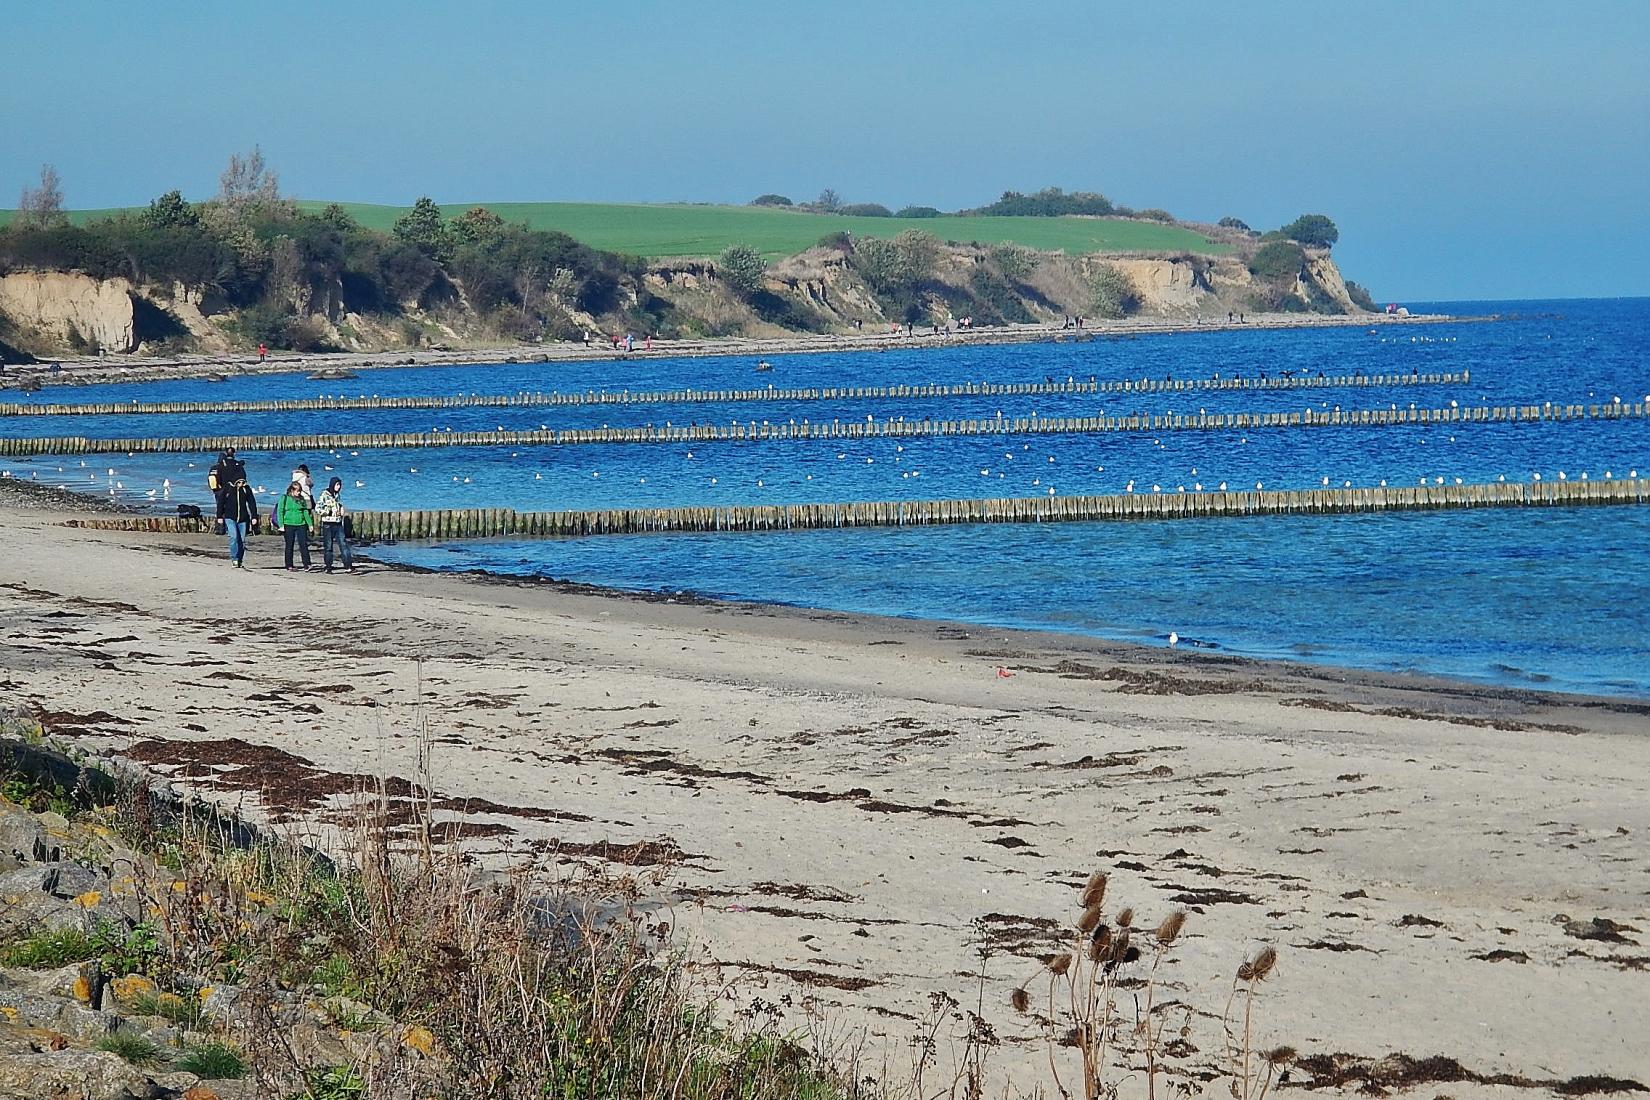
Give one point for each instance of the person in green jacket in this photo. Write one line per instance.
(293, 516)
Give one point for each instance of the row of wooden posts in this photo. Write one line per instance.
(899, 428)
(724, 396)
(509, 523)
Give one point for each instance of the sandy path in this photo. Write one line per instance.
(852, 796)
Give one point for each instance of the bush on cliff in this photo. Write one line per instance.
(1050, 202)
(1114, 294)
(1277, 260)
(1312, 230)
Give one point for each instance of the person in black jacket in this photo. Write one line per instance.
(237, 505)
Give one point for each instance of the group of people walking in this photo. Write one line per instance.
(298, 514)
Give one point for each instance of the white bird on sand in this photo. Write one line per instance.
(1174, 639)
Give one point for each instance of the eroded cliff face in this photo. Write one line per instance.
(67, 311)
(57, 313)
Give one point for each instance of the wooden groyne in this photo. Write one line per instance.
(730, 396)
(753, 431)
(465, 523)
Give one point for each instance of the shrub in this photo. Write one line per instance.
(1155, 214)
(771, 200)
(1234, 223)
(1114, 293)
(1312, 230)
(1361, 297)
(476, 224)
(1015, 261)
(995, 300)
(1048, 203)
(423, 228)
(841, 240)
(264, 323)
(918, 212)
(866, 210)
(742, 268)
(1277, 260)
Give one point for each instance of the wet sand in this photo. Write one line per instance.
(855, 804)
(134, 368)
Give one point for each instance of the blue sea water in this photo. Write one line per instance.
(1556, 598)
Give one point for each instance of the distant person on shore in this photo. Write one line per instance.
(293, 516)
(237, 506)
(629, 341)
(263, 352)
(329, 510)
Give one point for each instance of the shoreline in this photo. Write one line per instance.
(74, 504)
(846, 803)
(133, 368)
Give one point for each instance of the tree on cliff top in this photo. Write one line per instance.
(248, 182)
(742, 268)
(1312, 230)
(170, 211)
(42, 207)
(423, 228)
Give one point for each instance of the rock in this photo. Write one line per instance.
(23, 838)
(42, 896)
(332, 374)
(73, 1075)
(68, 308)
(55, 1014)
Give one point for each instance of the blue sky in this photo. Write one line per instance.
(1467, 149)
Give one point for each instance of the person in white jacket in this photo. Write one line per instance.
(329, 513)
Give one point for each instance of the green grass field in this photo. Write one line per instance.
(694, 230)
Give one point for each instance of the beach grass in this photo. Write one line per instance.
(658, 230)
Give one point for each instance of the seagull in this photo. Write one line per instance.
(1174, 639)
(360, 485)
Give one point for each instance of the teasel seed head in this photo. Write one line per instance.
(1126, 917)
(1090, 920)
(1280, 1056)
(1020, 999)
(1264, 961)
(1169, 930)
(1245, 972)
(1095, 891)
(1060, 964)
(1120, 948)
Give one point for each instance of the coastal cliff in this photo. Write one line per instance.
(824, 289)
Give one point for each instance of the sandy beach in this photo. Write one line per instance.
(140, 368)
(848, 806)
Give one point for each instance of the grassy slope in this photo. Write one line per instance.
(682, 230)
